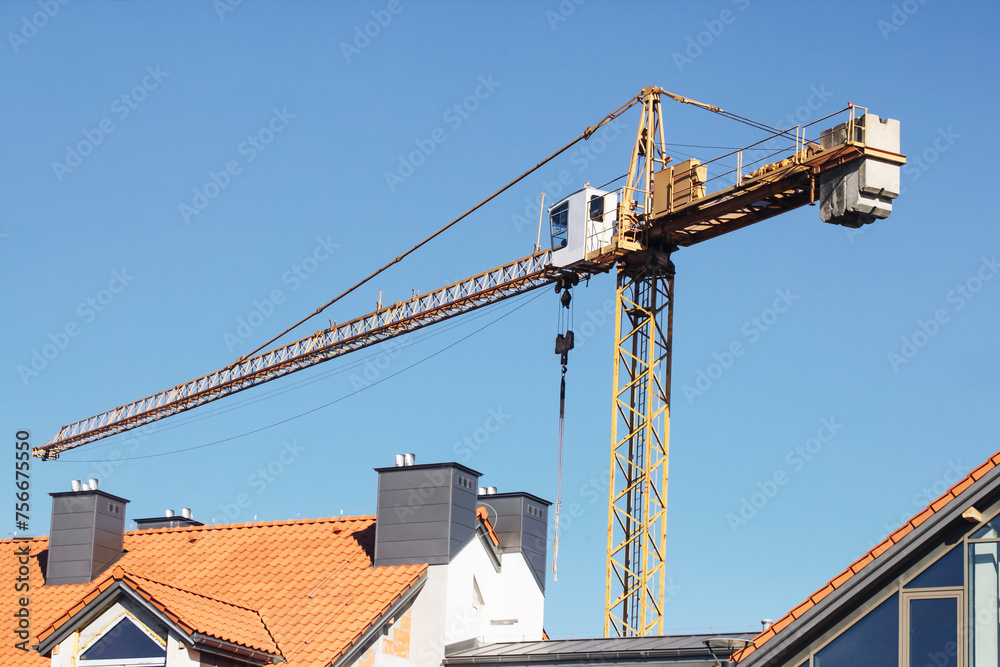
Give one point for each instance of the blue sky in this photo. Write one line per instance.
(118, 116)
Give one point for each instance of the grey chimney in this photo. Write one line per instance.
(425, 513)
(521, 522)
(86, 534)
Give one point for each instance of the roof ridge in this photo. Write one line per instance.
(244, 607)
(870, 556)
(15, 540)
(240, 605)
(251, 524)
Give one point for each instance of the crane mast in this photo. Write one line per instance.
(640, 420)
(853, 173)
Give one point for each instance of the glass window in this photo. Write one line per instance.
(125, 640)
(559, 221)
(945, 571)
(871, 642)
(984, 594)
(987, 532)
(934, 632)
(597, 208)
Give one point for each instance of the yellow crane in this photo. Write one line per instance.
(853, 173)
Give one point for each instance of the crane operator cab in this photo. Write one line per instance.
(582, 224)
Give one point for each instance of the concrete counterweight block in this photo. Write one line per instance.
(861, 192)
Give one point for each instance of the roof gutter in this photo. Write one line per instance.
(214, 645)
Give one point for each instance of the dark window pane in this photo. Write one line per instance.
(871, 642)
(934, 632)
(945, 571)
(124, 640)
(559, 219)
(597, 208)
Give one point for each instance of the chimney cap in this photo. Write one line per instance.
(432, 466)
(105, 494)
(186, 513)
(521, 494)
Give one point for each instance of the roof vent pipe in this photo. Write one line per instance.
(400, 460)
(482, 490)
(168, 513)
(491, 490)
(766, 622)
(93, 483)
(85, 487)
(186, 513)
(409, 459)
(75, 485)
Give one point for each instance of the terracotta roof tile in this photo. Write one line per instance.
(872, 556)
(306, 588)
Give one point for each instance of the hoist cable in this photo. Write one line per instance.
(559, 472)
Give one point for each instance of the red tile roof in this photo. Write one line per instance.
(306, 589)
(869, 558)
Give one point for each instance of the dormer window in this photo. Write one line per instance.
(125, 643)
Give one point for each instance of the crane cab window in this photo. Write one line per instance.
(559, 223)
(596, 208)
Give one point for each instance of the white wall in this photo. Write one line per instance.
(511, 595)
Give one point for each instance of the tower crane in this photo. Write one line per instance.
(852, 173)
